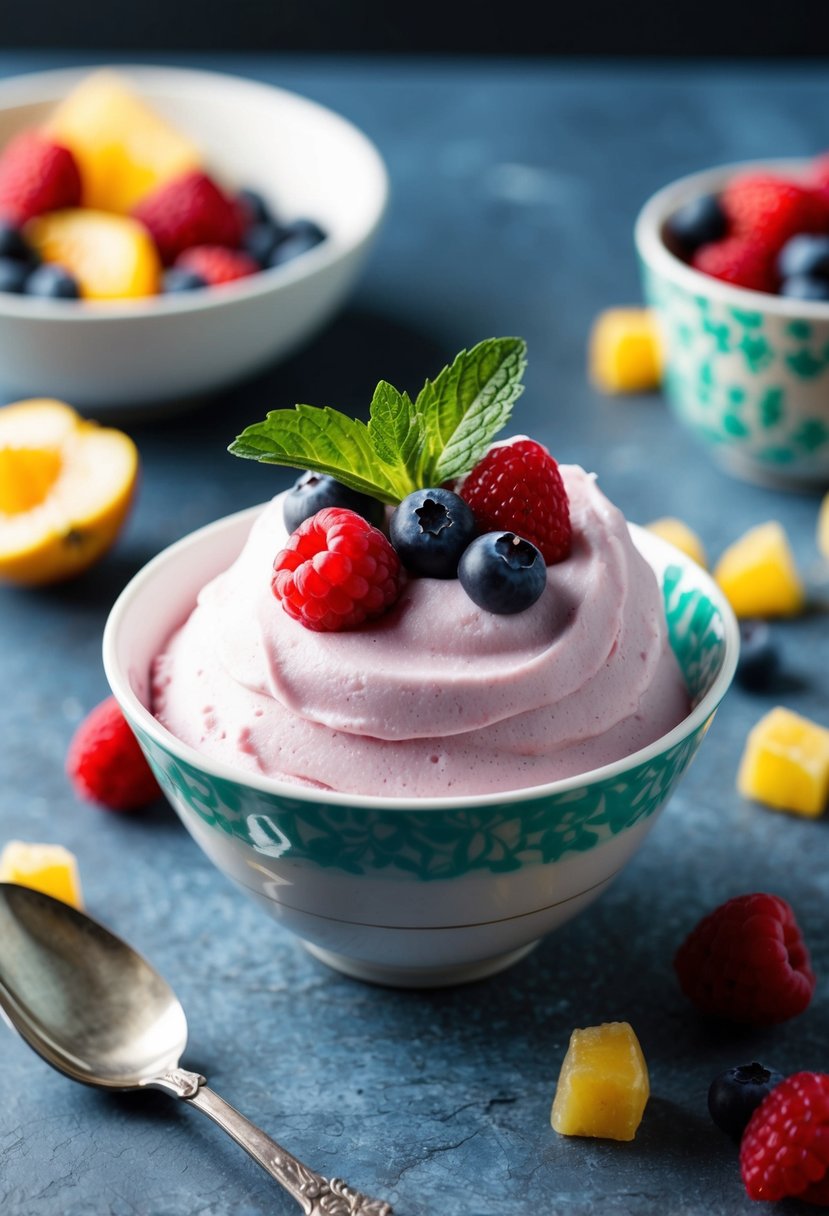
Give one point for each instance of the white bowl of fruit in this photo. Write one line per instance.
(165, 232)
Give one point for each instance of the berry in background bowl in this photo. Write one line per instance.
(165, 232)
(735, 263)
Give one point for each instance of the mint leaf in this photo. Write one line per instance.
(396, 432)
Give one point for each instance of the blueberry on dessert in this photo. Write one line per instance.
(502, 573)
(313, 492)
(430, 530)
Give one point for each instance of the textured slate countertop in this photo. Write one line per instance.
(514, 192)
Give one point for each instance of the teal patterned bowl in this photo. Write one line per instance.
(745, 371)
(415, 892)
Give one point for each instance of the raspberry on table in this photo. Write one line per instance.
(517, 487)
(747, 962)
(785, 1147)
(336, 571)
(106, 764)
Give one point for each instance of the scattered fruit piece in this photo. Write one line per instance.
(603, 1086)
(216, 265)
(106, 764)
(758, 575)
(313, 491)
(65, 489)
(771, 209)
(678, 534)
(785, 764)
(735, 1094)
(124, 149)
(36, 175)
(112, 257)
(189, 210)
(430, 530)
(747, 962)
(49, 868)
(294, 239)
(502, 573)
(336, 572)
(823, 527)
(785, 1148)
(804, 255)
(517, 487)
(698, 222)
(740, 260)
(759, 660)
(625, 351)
(52, 282)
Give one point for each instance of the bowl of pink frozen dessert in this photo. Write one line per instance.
(424, 706)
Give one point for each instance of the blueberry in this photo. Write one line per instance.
(260, 241)
(804, 287)
(759, 660)
(502, 573)
(804, 255)
(296, 238)
(256, 207)
(313, 491)
(13, 274)
(430, 530)
(178, 279)
(736, 1093)
(12, 245)
(696, 223)
(52, 282)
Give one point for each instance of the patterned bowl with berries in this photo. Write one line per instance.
(303, 160)
(747, 372)
(415, 892)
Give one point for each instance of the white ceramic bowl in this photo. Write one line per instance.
(305, 159)
(409, 891)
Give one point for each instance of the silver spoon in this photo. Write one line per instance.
(96, 1011)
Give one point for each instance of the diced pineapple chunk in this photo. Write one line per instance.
(681, 537)
(786, 763)
(49, 868)
(625, 353)
(758, 575)
(823, 527)
(603, 1086)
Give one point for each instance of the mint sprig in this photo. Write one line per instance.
(406, 445)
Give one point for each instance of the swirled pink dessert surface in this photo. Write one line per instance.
(438, 696)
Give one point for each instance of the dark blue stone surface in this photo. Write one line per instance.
(514, 192)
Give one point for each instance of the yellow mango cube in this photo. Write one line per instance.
(785, 763)
(678, 534)
(603, 1086)
(823, 527)
(625, 351)
(758, 575)
(49, 868)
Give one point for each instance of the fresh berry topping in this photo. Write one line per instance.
(176, 280)
(804, 255)
(747, 962)
(804, 287)
(13, 275)
(13, 245)
(518, 487)
(313, 492)
(260, 241)
(785, 1148)
(759, 660)
(52, 282)
(430, 530)
(254, 208)
(294, 239)
(36, 175)
(336, 571)
(189, 210)
(106, 764)
(699, 222)
(502, 573)
(735, 1094)
(216, 265)
(769, 209)
(739, 260)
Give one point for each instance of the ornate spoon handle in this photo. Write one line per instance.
(318, 1196)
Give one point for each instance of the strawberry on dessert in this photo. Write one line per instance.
(189, 210)
(36, 175)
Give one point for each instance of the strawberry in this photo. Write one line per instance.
(739, 260)
(768, 209)
(105, 763)
(216, 265)
(189, 210)
(36, 175)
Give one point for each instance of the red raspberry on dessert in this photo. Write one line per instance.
(517, 486)
(740, 260)
(216, 265)
(770, 209)
(336, 571)
(747, 962)
(189, 210)
(785, 1147)
(36, 175)
(105, 763)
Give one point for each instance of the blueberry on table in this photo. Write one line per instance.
(260, 241)
(759, 660)
(52, 282)
(313, 492)
(430, 529)
(805, 287)
(176, 279)
(14, 246)
(296, 238)
(697, 223)
(255, 206)
(13, 275)
(804, 255)
(502, 573)
(736, 1093)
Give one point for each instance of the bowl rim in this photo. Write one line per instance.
(647, 235)
(138, 713)
(27, 89)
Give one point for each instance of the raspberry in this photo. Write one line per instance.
(36, 175)
(336, 572)
(217, 265)
(739, 260)
(106, 764)
(769, 209)
(747, 962)
(785, 1148)
(187, 211)
(517, 486)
